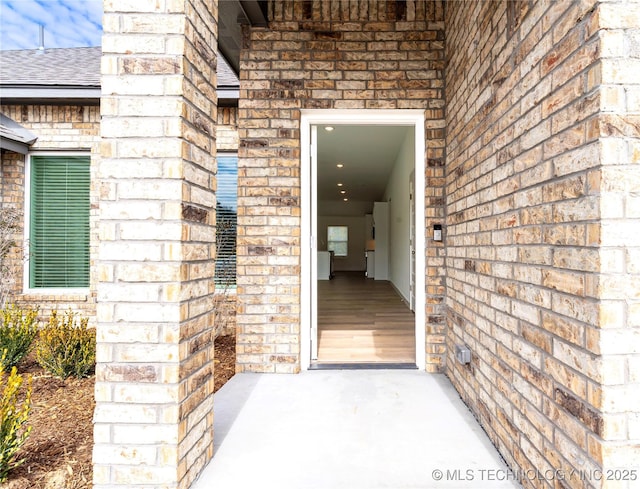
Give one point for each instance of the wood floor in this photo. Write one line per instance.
(363, 320)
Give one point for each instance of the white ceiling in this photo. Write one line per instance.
(368, 154)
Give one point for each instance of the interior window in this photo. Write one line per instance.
(338, 240)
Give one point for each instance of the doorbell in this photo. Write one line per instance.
(437, 232)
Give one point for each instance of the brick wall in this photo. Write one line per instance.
(227, 129)
(58, 128)
(77, 128)
(540, 214)
(618, 286)
(324, 54)
(154, 377)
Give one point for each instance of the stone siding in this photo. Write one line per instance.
(58, 128)
(323, 55)
(541, 281)
(154, 377)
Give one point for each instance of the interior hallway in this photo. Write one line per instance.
(363, 320)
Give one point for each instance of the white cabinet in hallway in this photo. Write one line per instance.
(325, 265)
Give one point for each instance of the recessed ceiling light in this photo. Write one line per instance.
(328, 128)
(345, 199)
(343, 191)
(339, 165)
(339, 185)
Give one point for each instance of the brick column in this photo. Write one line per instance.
(154, 378)
(617, 339)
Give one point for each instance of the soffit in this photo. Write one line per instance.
(232, 14)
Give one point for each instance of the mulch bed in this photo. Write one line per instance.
(224, 360)
(58, 451)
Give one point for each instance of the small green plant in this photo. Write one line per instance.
(14, 414)
(17, 332)
(65, 348)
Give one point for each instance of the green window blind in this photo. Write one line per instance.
(226, 220)
(59, 222)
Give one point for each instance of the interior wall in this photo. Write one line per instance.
(397, 194)
(354, 261)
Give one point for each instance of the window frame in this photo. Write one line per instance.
(26, 280)
(338, 241)
(225, 287)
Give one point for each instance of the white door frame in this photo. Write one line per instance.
(412, 241)
(374, 117)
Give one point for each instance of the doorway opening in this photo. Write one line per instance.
(363, 283)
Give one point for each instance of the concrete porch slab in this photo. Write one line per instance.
(351, 429)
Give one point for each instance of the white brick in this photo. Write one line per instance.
(154, 230)
(122, 127)
(148, 272)
(161, 477)
(145, 393)
(133, 251)
(125, 454)
(132, 85)
(115, 333)
(131, 293)
(151, 107)
(115, 413)
(149, 353)
(146, 312)
(145, 434)
(159, 24)
(124, 210)
(152, 148)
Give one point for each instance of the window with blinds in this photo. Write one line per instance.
(226, 220)
(59, 222)
(338, 240)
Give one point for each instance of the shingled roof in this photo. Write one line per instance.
(54, 67)
(77, 67)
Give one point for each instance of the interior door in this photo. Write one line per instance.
(314, 241)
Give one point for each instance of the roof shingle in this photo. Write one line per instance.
(53, 67)
(70, 67)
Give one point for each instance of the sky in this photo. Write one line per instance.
(67, 23)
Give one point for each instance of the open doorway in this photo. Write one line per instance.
(362, 274)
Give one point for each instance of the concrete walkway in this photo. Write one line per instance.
(348, 429)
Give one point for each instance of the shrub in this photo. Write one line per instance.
(13, 421)
(17, 332)
(65, 348)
